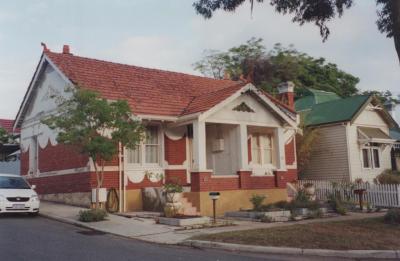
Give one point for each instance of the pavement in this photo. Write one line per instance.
(146, 229)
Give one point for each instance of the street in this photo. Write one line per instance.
(27, 238)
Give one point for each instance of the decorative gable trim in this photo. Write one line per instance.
(243, 107)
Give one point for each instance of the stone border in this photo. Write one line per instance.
(293, 251)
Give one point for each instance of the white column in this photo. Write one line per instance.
(280, 149)
(243, 148)
(199, 145)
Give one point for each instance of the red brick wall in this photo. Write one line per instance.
(290, 152)
(204, 181)
(255, 182)
(175, 150)
(24, 162)
(283, 177)
(176, 175)
(60, 157)
(62, 183)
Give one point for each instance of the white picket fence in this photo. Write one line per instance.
(379, 195)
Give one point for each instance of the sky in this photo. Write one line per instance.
(170, 35)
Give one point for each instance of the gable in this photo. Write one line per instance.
(370, 117)
(41, 100)
(245, 108)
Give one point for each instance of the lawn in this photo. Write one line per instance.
(364, 234)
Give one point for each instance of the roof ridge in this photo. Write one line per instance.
(140, 67)
(342, 99)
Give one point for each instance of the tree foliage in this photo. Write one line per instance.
(319, 12)
(4, 136)
(266, 69)
(95, 126)
(383, 96)
(305, 142)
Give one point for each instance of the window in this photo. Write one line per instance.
(366, 158)
(371, 157)
(148, 152)
(261, 149)
(151, 145)
(375, 153)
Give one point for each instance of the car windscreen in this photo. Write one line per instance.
(13, 183)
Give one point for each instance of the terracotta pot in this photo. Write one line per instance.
(173, 197)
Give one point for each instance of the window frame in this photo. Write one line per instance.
(261, 148)
(142, 152)
(371, 157)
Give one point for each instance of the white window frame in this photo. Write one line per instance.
(371, 157)
(261, 149)
(142, 164)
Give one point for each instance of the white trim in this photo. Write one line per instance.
(157, 117)
(242, 122)
(224, 176)
(61, 172)
(248, 87)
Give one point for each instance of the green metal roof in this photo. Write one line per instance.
(335, 111)
(313, 97)
(395, 134)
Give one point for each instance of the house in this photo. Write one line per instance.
(206, 134)
(353, 136)
(9, 151)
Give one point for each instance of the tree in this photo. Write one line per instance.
(383, 96)
(319, 12)
(266, 69)
(4, 136)
(95, 127)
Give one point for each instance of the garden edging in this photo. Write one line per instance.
(293, 251)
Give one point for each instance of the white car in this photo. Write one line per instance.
(17, 196)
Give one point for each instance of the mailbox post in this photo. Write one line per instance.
(214, 196)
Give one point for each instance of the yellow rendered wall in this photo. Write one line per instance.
(232, 200)
(134, 200)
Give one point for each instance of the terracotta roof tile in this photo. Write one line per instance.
(7, 125)
(148, 91)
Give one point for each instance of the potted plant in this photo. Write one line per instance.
(173, 193)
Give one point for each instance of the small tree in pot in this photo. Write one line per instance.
(173, 192)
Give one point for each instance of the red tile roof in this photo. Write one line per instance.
(7, 125)
(148, 91)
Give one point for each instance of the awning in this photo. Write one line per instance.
(375, 135)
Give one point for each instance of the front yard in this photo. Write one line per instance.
(369, 233)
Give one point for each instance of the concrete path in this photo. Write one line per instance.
(147, 230)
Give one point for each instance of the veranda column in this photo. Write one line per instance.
(199, 146)
(280, 148)
(243, 148)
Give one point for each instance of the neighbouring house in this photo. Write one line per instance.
(206, 134)
(353, 136)
(9, 152)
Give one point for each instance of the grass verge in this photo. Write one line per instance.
(363, 234)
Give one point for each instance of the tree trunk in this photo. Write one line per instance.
(98, 186)
(395, 16)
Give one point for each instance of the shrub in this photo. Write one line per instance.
(392, 216)
(316, 214)
(173, 188)
(388, 177)
(92, 215)
(257, 201)
(338, 205)
(302, 196)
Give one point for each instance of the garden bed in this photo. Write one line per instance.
(364, 234)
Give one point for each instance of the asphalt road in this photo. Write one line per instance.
(27, 238)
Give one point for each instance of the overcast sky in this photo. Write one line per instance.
(169, 35)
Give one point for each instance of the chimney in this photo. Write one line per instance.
(66, 49)
(286, 93)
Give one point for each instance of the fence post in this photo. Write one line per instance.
(398, 195)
